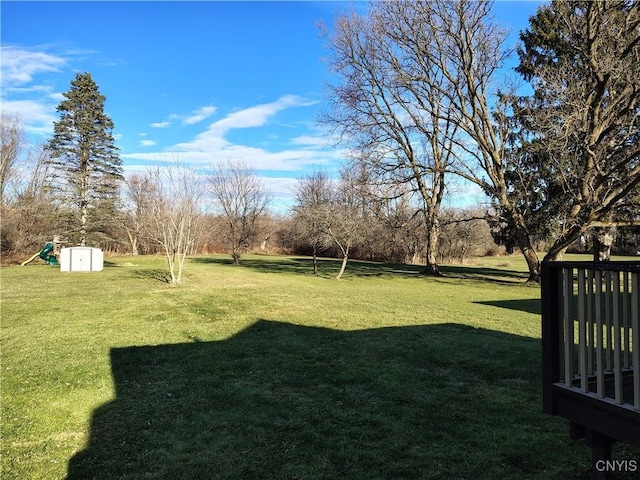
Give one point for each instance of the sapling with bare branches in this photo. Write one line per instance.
(175, 199)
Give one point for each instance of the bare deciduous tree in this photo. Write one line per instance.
(391, 105)
(467, 48)
(313, 195)
(242, 200)
(11, 145)
(138, 195)
(32, 216)
(175, 199)
(342, 219)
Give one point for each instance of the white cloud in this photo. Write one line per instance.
(256, 116)
(196, 116)
(280, 188)
(211, 146)
(19, 65)
(148, 143)
(199, 115)
(34, 103)
(259, 159)
(56, 97)
(37, 117)
(251, 117)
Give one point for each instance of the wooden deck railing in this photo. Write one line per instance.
(591, 351)
(591, 330)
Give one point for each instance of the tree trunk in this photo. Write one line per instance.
(345, 255)
(562, 242)
(533, 263)
(524, 244)
(315, 259)
(133, 241)
(181, 258)
(171, 265)
(602, 241)
(415, 257)
(84, 196)
(83, 223)
(235, 255)
(342, 267)
(433, 236)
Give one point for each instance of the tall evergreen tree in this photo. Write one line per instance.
(583, 61)
(87, 168)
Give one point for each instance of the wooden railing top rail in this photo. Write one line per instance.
(613, 266)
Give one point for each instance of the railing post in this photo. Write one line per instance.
(582, 332)
(591, 322)
(551, 332)
(608, 321)
(568, 336)
(599, 337)
(635, 326)
(617, 341)
(626, 313)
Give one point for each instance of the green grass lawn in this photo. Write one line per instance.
(265, 371)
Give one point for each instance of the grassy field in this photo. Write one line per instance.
(265, 371)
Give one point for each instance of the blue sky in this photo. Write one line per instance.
(201, 82)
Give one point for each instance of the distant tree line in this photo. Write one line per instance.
(174, 211)
(421, 95)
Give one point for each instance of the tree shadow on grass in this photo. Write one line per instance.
(288, 265)
(286, 401)
(529, 305)
(328, 267)
(488, 274)
(158, 274)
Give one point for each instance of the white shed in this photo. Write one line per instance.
(81, 259)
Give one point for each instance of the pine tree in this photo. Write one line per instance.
(583, 61)
(88, 169)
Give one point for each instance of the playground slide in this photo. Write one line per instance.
(31, 259)
(44, 254)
